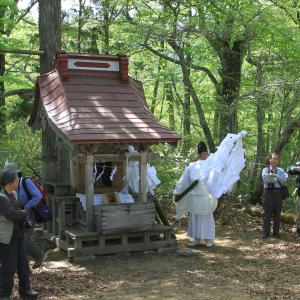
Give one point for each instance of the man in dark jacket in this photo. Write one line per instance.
(29, 201)
(295, 170)
(13, 255)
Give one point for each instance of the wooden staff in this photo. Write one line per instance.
(188, 189)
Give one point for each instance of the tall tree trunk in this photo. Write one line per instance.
(216, 124)
(157, 80)
(187, 97)
(170, 101)
(188, 84)
(80, 25)
(231, 67)
(155, 89)
(269, 133)
(106, 23)
(49, 31)
(255, 175)
(286, 134)
(94, 37)
(2, 99)
(2, 73)
(162, 105)
(186, 122)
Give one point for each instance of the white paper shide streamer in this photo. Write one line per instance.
(221, 170)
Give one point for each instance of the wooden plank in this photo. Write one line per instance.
(84, 89)
(107, 157)
(104, 121)
(117, 131)
(98, 110)
(89, 115)
(123, 218)
(104, 103)
(89, 191)
(100, 96)
(68, 126)
(92, 81)
(143, 176)
(62, 219)
(74, 174)
(59, 134)
(131, 206)
(153, 245)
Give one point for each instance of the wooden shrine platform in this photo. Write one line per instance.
(81, 243)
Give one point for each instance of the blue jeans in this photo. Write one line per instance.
(13, 258)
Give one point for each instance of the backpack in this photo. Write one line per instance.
(42, 211)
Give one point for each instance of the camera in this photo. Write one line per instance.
(26, 224)
(271, 186)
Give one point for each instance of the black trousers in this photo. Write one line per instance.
(13, 258)
(272, 206)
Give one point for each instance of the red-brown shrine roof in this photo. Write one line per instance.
(91, 99)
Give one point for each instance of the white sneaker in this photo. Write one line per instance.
(209, 243)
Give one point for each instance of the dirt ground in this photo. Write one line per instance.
(240, 266)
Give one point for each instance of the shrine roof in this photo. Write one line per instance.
(92, 99)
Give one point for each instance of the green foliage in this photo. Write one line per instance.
(21, 146)
(19, 108)
(272, 37)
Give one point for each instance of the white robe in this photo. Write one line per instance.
(199, 203)
(221, 170)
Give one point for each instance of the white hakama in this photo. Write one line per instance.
(201, 227)
(199, 203)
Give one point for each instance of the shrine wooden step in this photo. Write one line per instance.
(83, 243)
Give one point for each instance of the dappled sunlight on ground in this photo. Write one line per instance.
(240, 265)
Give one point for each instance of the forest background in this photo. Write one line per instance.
(208, 68)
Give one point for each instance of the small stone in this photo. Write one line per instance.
(188, 252)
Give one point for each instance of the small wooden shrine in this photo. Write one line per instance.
(90, 111)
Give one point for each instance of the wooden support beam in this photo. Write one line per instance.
(143, 176)
(89, 192)
(26, 52)
(74, 173)
(108, 157)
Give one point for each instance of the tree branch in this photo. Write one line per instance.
(23, 15)
(19, 92)
(29, 52)
(286, 134)
(194, 67)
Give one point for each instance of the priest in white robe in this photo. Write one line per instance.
(199, 203)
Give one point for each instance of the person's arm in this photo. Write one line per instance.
(267, 176)
(293, 170)
(281, 176)
(182, 183)
(9, 212)
(35, 193)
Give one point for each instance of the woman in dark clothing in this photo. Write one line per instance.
(13, 255)
(273, 178)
